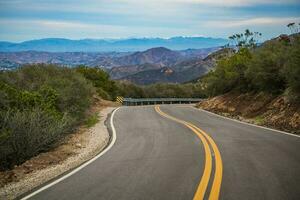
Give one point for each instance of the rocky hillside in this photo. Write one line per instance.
(261, 109)
(124, 71)
(180, 72)
(162, 75)
(173, 74)
(160, 56)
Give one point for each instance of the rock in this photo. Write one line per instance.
(78, 145)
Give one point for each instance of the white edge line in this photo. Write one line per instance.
(114, 137)
(235, 120)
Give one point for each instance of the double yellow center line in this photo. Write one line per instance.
(207, 142)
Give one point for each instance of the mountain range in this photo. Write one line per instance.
(154, 65)
(160, 56)
(108, 45)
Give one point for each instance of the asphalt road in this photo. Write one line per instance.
(178, 152)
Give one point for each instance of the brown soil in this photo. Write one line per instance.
(262, 109)
(66, 148)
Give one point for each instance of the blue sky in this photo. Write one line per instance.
(78, 19)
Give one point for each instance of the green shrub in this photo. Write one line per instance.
(229, 74)
(273, 67)
(92, 120)
(39, 105)
(264, 69)
(25, 133)
(106, 88)
(162, 90)
(291, 69)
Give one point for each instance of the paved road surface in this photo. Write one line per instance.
(172, 152)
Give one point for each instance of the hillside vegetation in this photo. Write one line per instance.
(273, 67)
(258, 84)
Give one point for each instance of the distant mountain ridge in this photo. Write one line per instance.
(156, 56)
(154, 65)
(108, 45)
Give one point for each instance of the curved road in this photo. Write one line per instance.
(178, 152)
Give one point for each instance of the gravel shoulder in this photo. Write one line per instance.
(76, 148)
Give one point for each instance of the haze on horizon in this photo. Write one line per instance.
(77, 19)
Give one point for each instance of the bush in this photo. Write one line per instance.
(106, 88)
(25, 133)
(292, 68)
(273, 67)
(91, 120)
(159, 90)
(229, 74)
(264, 69)
(39, 105)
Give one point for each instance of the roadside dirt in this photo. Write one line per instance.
(261, 109)
(75, 149)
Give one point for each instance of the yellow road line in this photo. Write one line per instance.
(204, 137)
(208, 159)
(215, 189)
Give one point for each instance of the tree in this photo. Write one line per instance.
(228, 75)
(292, 27)
(106, 88)
(245, 40)
(292, 69)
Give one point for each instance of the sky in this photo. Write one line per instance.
(22, 20)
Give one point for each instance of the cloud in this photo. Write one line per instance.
(263, 21)
(228, 3)
(34, 29)
(135, 5)
(243, 2)
(25, 19)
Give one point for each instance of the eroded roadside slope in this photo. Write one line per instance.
(261, 109)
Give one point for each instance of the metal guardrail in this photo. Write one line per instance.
(153, 101)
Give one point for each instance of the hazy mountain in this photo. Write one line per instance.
(197, 53)
(105, 45)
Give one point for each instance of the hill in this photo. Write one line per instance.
(180, 72)
(160, 56)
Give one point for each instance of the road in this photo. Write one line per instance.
(179, 152)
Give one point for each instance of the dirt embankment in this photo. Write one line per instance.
(261, 109)
(75, 149)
